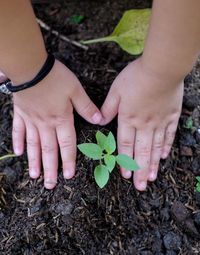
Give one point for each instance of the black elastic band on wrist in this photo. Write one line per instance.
(46, 68)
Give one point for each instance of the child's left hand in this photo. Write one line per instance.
(148, 108)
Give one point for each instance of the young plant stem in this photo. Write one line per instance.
(102, 39)
(7, 156)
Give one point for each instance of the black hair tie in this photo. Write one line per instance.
(7, 87)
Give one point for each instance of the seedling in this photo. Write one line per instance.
(103, 151)
(130, 33)
(198, 184)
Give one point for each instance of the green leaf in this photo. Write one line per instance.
(127, 162)
(110, 162)
(131, 31)
(101, 139)
(198, 178)
(189, 123)
(110, 145)
(91, 150)
(198, 187)
(76, 19)
(101, 175)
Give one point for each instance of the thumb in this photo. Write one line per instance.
(110, 106)
(2, 77)
(85, 107)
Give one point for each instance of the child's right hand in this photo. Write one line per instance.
(44, 114)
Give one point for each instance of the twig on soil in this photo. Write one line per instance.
(61, 36)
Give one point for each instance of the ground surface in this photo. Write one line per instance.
(76, 217)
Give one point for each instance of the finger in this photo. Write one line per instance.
(143, 145)
(169, 139)
(2, 77)
(18, 134)
(109, 108)
(158, 141)
(85, 107)
(49, 147)
(33, 150)
(125, 139)
(67, 141)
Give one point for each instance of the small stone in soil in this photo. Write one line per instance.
(1, 215)
(187, 139)
(35, 209)
(191, 101)
(146, 253)
(179, 211)
(64, 208)
(197, 218)
(11, 175)
(172, 241)
(186, 151)
(164, 213)
(171, 253)
(197, 198)
(157, 245)
(197, 136)
(195, 165)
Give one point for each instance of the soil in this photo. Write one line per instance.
(77, 217)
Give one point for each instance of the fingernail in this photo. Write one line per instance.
(96, 118)
(18, 151)
(50, 184)
(164, 155)
(68, 173)
(33, 173)
(152, 176)
(127, 174)
(142, 186)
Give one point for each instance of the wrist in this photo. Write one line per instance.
(160, 71)
(28, 70)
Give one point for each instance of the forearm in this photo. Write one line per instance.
(173, 40)
(22, 50)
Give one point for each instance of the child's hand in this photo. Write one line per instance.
(44, 113)
(148, 110)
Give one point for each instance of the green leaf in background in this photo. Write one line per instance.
(189, 123)
(110, 162)
(76, 19)
(101, 175)
(110, 145)
(198, 187)
(131, 31)
(101, 139)
(198, 178)
(91, 150)
(127, 162)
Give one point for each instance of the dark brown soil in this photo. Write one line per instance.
(77, 217)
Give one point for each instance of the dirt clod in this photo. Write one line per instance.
(172, 241)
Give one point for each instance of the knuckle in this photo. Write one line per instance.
(144, 151)
(60, 121)
(48, 149)
(66, 144)
(125, 144)
(32, 142)
(88, 108)
(128, 119)
(157, 146)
